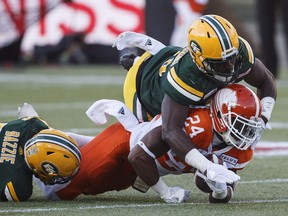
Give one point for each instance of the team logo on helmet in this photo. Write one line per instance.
(32, 151)
(195, 47)
(49, 168)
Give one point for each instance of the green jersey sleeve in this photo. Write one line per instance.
(247, 58)
(185, 83)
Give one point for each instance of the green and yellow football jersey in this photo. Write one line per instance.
(15, 176)
(172, 71)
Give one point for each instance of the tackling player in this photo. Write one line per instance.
(105, 166)
(169, 80)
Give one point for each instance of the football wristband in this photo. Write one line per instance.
(196, 159)
(267, 104)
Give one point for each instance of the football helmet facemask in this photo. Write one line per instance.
(214, 46)
(53, 156)
(236, 111)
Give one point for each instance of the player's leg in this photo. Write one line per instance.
(129, 90)
(103, 160)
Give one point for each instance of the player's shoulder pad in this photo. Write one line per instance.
(248, 50)
(37, 119)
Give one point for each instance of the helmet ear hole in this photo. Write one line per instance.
(218, 114)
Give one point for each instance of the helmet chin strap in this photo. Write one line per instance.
(228, 79)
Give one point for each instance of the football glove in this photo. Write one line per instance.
(221, 197)
(27, 110)
(220, 173)
(103, 108)
(133, 39)
(213, 185)
(214, 172)
(176, 195)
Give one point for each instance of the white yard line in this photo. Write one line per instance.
(71, 208)
(56, 79)
(264, 181)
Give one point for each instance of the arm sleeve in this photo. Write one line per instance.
(49, 191)
(80, 139)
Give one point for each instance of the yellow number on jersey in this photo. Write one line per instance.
(164, 66)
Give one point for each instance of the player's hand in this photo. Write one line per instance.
(213, 185)
(216, 187)
(219, 173)
(27, 110)
(221, 196)
(176, 195)
(265, 125)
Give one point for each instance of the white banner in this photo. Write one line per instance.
(101, 20)
(17, 15)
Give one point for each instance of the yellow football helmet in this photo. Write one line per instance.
(53, 156)
(214, 46)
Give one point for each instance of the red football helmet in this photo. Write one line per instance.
(236, 112)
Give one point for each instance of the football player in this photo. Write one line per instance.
(229, 129)
(105, 163)
(29, 146)
(169, 80)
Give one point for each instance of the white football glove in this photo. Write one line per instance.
(213, 171)
(260, 132)
(219, 173)
(133, 39)
(176, 195)
(213, 185)
(101, 109)
(216, 187)
(26, 110)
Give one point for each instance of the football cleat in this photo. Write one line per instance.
(127, 60)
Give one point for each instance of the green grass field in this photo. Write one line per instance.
(61, 95)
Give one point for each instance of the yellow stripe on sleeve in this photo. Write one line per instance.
(2, 125)
(12, 192)
(184, 85)
(249, 50)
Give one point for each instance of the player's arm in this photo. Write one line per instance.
(142, 158)
(173, 118)
(261, 78)
(81, 140)
(19, 188)
(143, 155)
